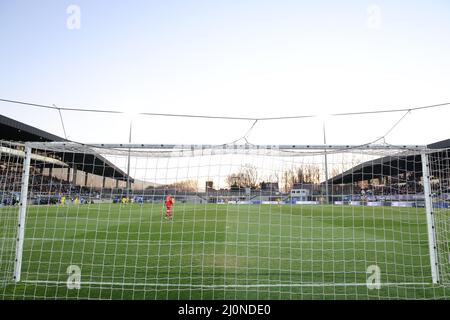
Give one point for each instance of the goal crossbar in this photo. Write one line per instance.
(232, 146)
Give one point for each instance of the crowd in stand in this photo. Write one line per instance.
(379, 190)
(39, 186)
(9, 179)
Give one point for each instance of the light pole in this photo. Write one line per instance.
(326, 162)
(129, 156)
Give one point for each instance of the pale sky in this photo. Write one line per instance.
(232, 58)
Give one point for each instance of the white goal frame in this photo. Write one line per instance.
(423, 150)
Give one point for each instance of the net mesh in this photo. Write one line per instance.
(248, 222)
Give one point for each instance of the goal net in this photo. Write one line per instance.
(247, 222)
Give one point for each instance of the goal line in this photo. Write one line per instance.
(205, 286)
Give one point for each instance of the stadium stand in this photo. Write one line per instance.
(14, 133)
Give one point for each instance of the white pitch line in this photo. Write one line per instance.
(189, 285)
(275, 242)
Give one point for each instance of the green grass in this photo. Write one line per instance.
(219, 252)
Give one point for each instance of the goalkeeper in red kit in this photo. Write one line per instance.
(169, 204)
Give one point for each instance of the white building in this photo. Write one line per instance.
(300, 194)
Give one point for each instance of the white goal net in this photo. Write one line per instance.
(223, 222)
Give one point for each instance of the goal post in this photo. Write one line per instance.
(247, 221)
(430, 219)
(439, 187)
(22, 212)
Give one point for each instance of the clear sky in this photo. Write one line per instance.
(236, 58)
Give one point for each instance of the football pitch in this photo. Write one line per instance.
(218, 251)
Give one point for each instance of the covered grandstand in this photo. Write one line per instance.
(63, 172)
(391, 166)
(394, 177)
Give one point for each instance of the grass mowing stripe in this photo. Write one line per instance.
(219, 251)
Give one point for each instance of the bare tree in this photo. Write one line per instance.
(233, 180)
(273, 177)
(246, 177)
(250, 174)
(305, 174)
(286, 180)
(184, 186)
(335, 171)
